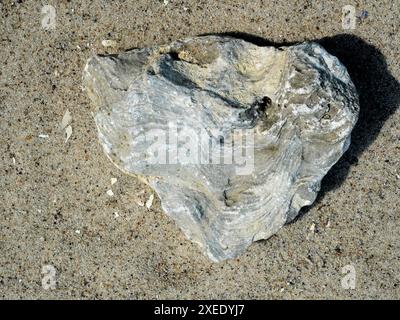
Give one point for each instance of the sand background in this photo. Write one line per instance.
(53, 202)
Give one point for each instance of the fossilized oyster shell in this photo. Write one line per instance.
(235, 138)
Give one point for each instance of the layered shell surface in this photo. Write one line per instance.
(234, 138)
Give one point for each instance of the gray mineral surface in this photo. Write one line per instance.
(235, 138)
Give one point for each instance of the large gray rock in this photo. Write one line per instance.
(233, 137)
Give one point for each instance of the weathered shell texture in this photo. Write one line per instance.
(298, 101)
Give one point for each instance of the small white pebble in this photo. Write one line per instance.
(166, 2)
(116, 215)
(140, 203)
(312, 227)
(149, 202)
(110, 193)
(108, 43)
(78, 231)
(113, 181)
(328, 224)
(43, 136)
(66, 119)
(13, 160)
(68, 133)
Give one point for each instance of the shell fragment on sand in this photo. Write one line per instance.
(234, 138)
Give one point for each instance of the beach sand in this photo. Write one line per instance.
(59, 222)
